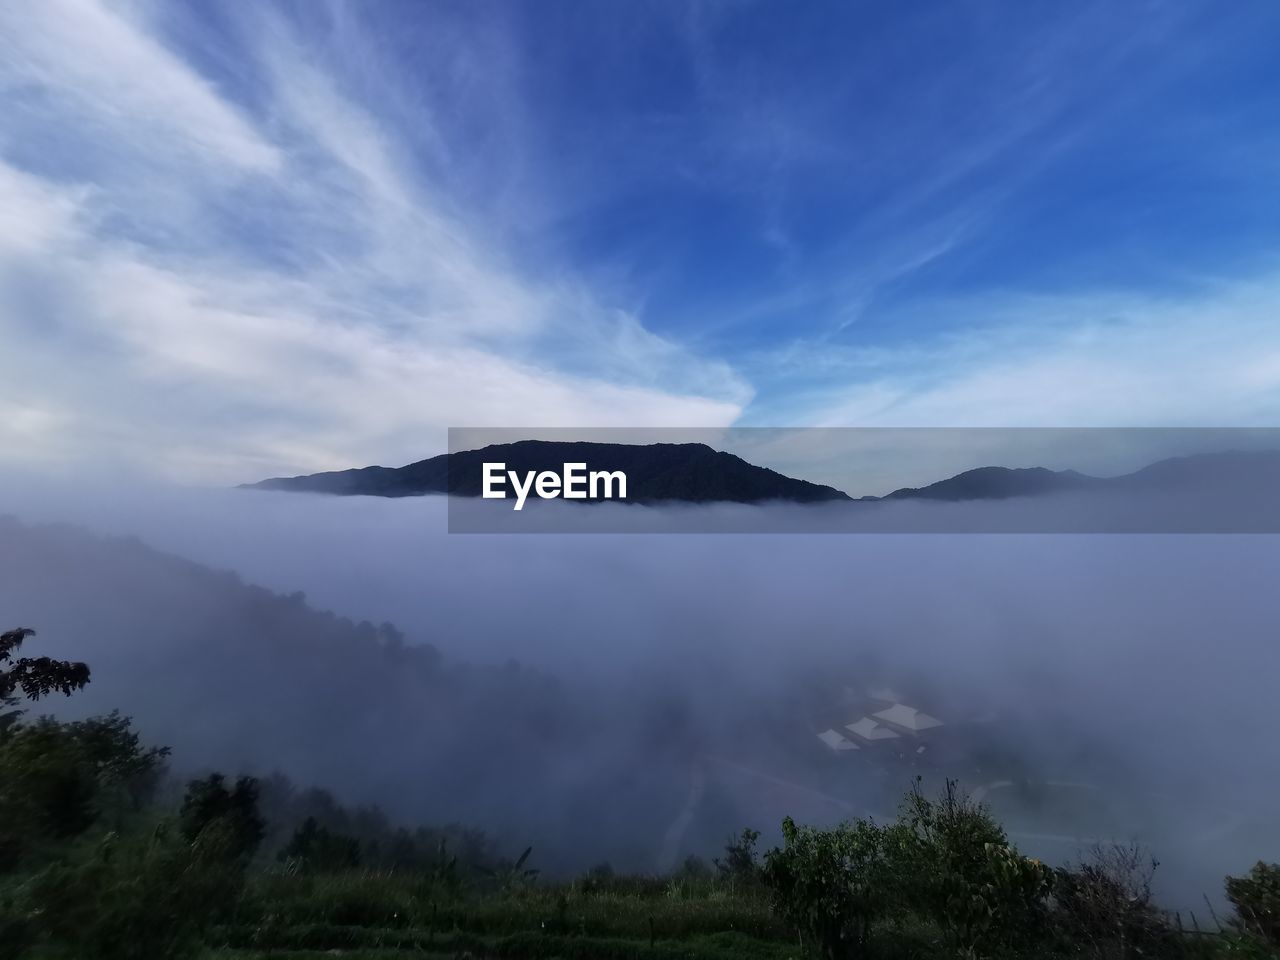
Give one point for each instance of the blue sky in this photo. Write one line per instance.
(244, 239)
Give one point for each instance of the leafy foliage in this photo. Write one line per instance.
(208, 803)
(132, 899)
(382, 844)
(740, 864)
(1104, 907)
(313, 847)
(1256, 898)
(58, 779)
(964, 875)
(514, 877)
(830, 885)
(34, 677)
(945, 861)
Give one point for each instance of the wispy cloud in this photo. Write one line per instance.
(1121, 359)
(257, 238)
(352, 315)
(80, 62)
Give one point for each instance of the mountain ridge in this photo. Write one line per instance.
(698, 473)
(685, 472)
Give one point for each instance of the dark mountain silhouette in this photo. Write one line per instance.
(688, 472)
(1219, 472)
(696, 473)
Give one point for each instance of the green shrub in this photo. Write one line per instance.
(513, 877)
(695, 868)
(601, 880)
(1256, 898)
(132, 900)
(953, 864)
(58, 779)
(739, 865)
(362, 898)
(48, 783)
(1236, 945)
(1103, 907)
(208, 801)
(312, 847)
(829, 885)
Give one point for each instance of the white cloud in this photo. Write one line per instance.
(115, 80)
(1076, 360)
(221, 300)
(223, 289)
(193, 371)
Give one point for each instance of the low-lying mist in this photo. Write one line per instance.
(638, 698)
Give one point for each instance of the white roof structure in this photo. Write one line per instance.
(907, 718)
(868, 729)
(835, 741)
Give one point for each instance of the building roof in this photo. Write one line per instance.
(907, 718)
(836, 741)
(869, 729)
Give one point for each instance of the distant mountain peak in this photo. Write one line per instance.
(656, 472)
(996, 483)
(698, 473)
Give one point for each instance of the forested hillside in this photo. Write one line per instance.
(236, 677)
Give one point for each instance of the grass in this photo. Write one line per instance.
(377, 915)
(404, 901)
(385, 913)
(525, 946)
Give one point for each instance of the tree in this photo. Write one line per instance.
(829, 885)
(235, 811)
(133, 897)
(739, 865)
(316, 848)
(953, 863)
(1104, 904)
(121, 764)
(47, 785)
(34, 677)
(58, 779)
(1256, 897)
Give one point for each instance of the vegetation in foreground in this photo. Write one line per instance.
(95, 864)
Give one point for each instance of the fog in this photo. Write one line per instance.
(687, 674)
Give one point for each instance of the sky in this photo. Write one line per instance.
(241, 240)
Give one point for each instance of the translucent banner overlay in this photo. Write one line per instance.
(860, 480)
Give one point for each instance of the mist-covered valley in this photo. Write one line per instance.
(471, 466)
(635, 699)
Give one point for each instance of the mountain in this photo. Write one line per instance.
(697, 473)
(239, 678)
(1222, 473)
(1228, 469)
(997, 483)
(688, 472)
